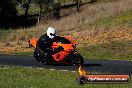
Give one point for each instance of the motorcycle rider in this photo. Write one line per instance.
(44, 48)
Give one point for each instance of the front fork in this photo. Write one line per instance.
(71, 58)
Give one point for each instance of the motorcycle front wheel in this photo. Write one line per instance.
(76, 59)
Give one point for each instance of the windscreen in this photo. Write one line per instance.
(62, 40)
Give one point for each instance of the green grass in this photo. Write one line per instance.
(114, 50)
(22, 77)
(120, 19)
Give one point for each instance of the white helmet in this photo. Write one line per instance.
(51, 32)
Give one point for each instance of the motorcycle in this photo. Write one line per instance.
(65, 51)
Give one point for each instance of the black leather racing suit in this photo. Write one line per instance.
(44, 46)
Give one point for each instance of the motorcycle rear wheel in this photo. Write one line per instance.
(39, 57)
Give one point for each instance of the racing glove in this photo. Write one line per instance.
(60, 48)
(49, 49)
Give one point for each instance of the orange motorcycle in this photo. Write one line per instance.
(68, 55)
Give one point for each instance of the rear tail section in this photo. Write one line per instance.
(33, 42)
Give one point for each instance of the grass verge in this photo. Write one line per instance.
(22, 77)
(121, 19)
(113, 50)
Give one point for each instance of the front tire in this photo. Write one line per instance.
(76, 59)
(79, 59)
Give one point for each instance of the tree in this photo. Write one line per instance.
(25, 4)
(78, 3)
(44, 6)
(7, 11)
(93, 1)
(56, 10)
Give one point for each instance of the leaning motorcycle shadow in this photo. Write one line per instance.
(59, 64)
(84, 65)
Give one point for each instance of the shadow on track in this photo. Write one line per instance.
(91, 65)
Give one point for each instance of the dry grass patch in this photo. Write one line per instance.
(82, 38)
(77, 26)
(14, 47)
(93, 37)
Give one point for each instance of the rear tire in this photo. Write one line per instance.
(39, 57)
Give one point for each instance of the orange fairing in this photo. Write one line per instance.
(33, 42)
(67, 48)
(62, 54)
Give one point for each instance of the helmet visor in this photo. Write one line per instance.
(52, 34)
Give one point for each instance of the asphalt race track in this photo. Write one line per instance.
(90, 65)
